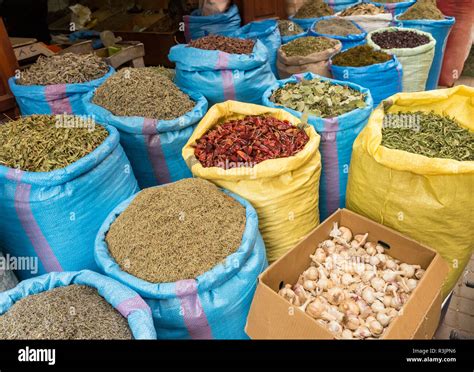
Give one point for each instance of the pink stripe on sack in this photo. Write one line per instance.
(58, 100)
(391, 9)
(331, 164)
(29, 224)
(227, 76)
(155, 152)
(193, 313)
(130, 305)
(187, 30)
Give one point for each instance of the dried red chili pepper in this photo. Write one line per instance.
(249, 141)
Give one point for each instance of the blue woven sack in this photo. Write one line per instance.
(54, 99)
(348, 41)
(221, 76)
(440, 30)
(126, 301)
(196, 25)
(337, 136)
(54, 216)
(382, 79)
(395, 8)
(212, 306)
(268, 33)
(153, 146)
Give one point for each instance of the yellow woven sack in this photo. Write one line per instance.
(283, 191)
(428, 199)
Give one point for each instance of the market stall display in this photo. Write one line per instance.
(289, 31)
(222, 74)
(425, 16)
(413, 48)
(349, 33)
(206, 255)
(154, 118)
(57, 84)
(309, 12)
(368, 16)
(80, 305)
(378, 71)
(54, 168)
(283, 189)
(421, 186)
(338, 111)
(306, 54)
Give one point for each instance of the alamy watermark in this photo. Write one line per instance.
(75, 121)
(406, 121)
(20, 263)
(238, 168)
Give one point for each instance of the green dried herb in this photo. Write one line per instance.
(314, 9)
(319, 98)
(337, 26)
(43, 143)
(428, 134)
(362, 55)
(73, 312)
(423, 9)
(363, 9)
(389, 1)
(142, 92)
(307, 45)
(170, 73)
(68, 68)
(289, 28)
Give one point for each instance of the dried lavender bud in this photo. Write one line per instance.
(68, 68)
(225, 44)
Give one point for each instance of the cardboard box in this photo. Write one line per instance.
(272, 317)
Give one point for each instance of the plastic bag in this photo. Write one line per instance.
(123, 299)
(153, 146)
(459, 41)
(440, 31)
(283, 191)
(427, 199)
(212, 306)
(337, 137)
(395, 8)
(54, 216)
(317, 63)
(221, 76)
(196, 25)
(348, 41)
(416, 62)
(54, 99)
(268, 33)
(382, 79)
(370, 22)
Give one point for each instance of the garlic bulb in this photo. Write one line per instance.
(362, 332)
(352, 322)
(370, 248)
(375, 328)
(347, 335)
(350, 307)
(367, 276)
(319, 256)
(368, 294)
(316, 308)
(408, 270)
(287, 293)
(378, 284)
(334, 327)
(419, 273)
(383, 319)
(347, 279)
(346, 233)
(309, 285)
(377, 306)
(311, 274)
(335, 296)
(300, 293)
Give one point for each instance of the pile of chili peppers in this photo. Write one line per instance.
(249, 141)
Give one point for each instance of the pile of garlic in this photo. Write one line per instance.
(352, 287)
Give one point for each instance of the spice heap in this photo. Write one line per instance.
(428, 134)
(363, 9)
(399, 39)
(176, 232)
(170, 73)
(361, 55)
(337, 26)
(423, 9)
(288, 28)
(43, 143)
(74, 312)
(390, 1)
(314, 9)
(249, 141)
(318, 98)
(352, 287)
(225, 44)
(68, 68)
(142, 92)
(304, 46)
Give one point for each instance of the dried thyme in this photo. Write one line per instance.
(307, 45)
(314, 9)
(175, 232)
(74, 312)
(428, 134)
(361, 55)
(289, 28)
(43, 143)
(68, 68)
(142, 92)
(423, 9)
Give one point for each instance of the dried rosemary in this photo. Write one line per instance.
(175, 232)
(68, 68)
(428, 134)
(74, 312)
(43, 143)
